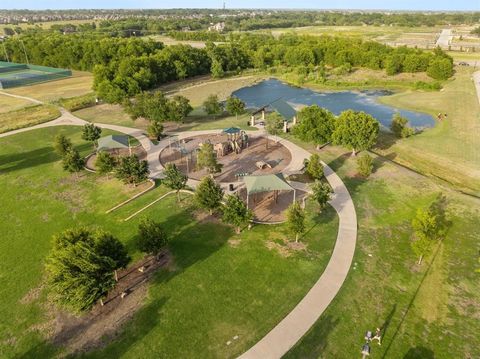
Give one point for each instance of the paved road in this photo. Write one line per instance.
(445, 38)
(294, 326)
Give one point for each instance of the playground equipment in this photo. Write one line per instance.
(236, 141)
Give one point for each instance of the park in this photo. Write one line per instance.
(252, 208)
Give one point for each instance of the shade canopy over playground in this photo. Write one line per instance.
(113, 142)
(266, 183)
(231, 130)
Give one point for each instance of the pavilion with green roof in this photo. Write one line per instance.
(113, 142)
(267, 183)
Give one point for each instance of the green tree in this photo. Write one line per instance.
(179, 108)
(131, 170)
(80, 267)
(62, 144)
(430, 225)
(321, 193)
(72, 161)
(394, 64)
(236, 213)
(91, 133)
(296, 220)
(399, 126)
(217, 69)
(235, 106)
(213, 106)
(357, 131)
(206, 158)
(209, 194)
(174, 179)
(151, 237)
(155, 129)
(365, 165)
(274, 124)
(105, 163)
(315, 125)
(314, 167)
(440, 68)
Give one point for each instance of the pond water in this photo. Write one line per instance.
(270, 90)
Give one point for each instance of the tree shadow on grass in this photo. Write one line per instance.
(21, 160)
(419, 353)
(410, 304)
(40, 156)
(144, 321)
(315, 341)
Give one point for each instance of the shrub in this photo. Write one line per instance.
(365, 165)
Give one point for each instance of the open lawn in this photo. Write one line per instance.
(384, 34)
(107, 113)
(27, 116)
(197, 93)
(79, 84)
(427, 311)
(220, 285)
(169, 41)
(449, 150)
(8, 103)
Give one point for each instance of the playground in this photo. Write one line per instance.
(238, 154)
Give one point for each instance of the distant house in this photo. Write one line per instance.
(219, 27)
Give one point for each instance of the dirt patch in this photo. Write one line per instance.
(286, 248)
(102, 324)
(32, 295)
(205, 217)
(234, 243)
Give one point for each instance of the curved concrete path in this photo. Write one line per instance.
(296, 324)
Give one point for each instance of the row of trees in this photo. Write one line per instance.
(355, 130)
(125, 67)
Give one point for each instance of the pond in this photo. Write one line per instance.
(270, 90)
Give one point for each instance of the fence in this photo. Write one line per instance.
(16, 75)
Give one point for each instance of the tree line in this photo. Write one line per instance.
(123, 67)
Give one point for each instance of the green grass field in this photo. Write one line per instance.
(427, 311)
(79, 84)
(8, 103)
(449, 150)
(217, 290)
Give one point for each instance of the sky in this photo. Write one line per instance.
(277, 4)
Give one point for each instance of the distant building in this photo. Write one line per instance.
(219, 27)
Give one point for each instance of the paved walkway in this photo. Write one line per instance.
(294, 326)
(476, 80)
(445, 38)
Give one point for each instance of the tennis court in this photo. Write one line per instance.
(16, 75)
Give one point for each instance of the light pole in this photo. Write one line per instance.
(5, 49)
(24, 50)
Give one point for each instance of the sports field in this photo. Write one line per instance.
(17, 75)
